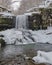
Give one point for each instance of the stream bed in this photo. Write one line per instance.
(16, 54)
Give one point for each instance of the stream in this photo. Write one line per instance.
(11, 52)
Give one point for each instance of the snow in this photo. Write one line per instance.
(32, 8)
(30, 13)
(42, 36)
(6, 14)
(12, 36)
(44, 4)
(43, 57)
(16, 36)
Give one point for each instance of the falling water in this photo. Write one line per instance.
(21, 22)
(22, 25)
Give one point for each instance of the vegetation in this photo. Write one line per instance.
(35, 21)
(42, 20)
(2, 42)
(46, 16)
(5, 23)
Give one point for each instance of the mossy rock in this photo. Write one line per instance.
(2, 42)
(6, 23)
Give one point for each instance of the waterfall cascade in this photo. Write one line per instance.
(21, 22)
(22, 25)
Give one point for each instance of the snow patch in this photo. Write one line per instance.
(43, 57)
(11, 35)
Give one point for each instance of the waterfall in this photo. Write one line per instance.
(21, 22)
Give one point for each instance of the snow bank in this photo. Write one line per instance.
(11, 35)
(43, 57)
(6, 14)
(42, 36)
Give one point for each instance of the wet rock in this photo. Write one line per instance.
(27, 58)
(30, 62)
(0, 45)
(17, 60)
(1, 35)
(2, 42)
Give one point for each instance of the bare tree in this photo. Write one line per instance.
(27, 4)
(5, 3)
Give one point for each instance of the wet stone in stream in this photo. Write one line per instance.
(20, 54)
(18, 60)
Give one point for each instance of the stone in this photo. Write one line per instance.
(1, 35)
(0, 45)
(2, 42)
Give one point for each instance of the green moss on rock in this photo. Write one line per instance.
(2, 42)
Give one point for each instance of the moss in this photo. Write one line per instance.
(6, 23)
(2, 42)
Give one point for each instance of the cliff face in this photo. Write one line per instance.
(27, 4)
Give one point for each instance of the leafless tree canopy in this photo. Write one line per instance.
(25, 5)
(5, 3)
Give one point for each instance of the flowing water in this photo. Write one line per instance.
(29, 50)
(15, 54)
(21, 22)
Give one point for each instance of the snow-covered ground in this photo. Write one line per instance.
(12, 36)
(16, 36)
(43, 57)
